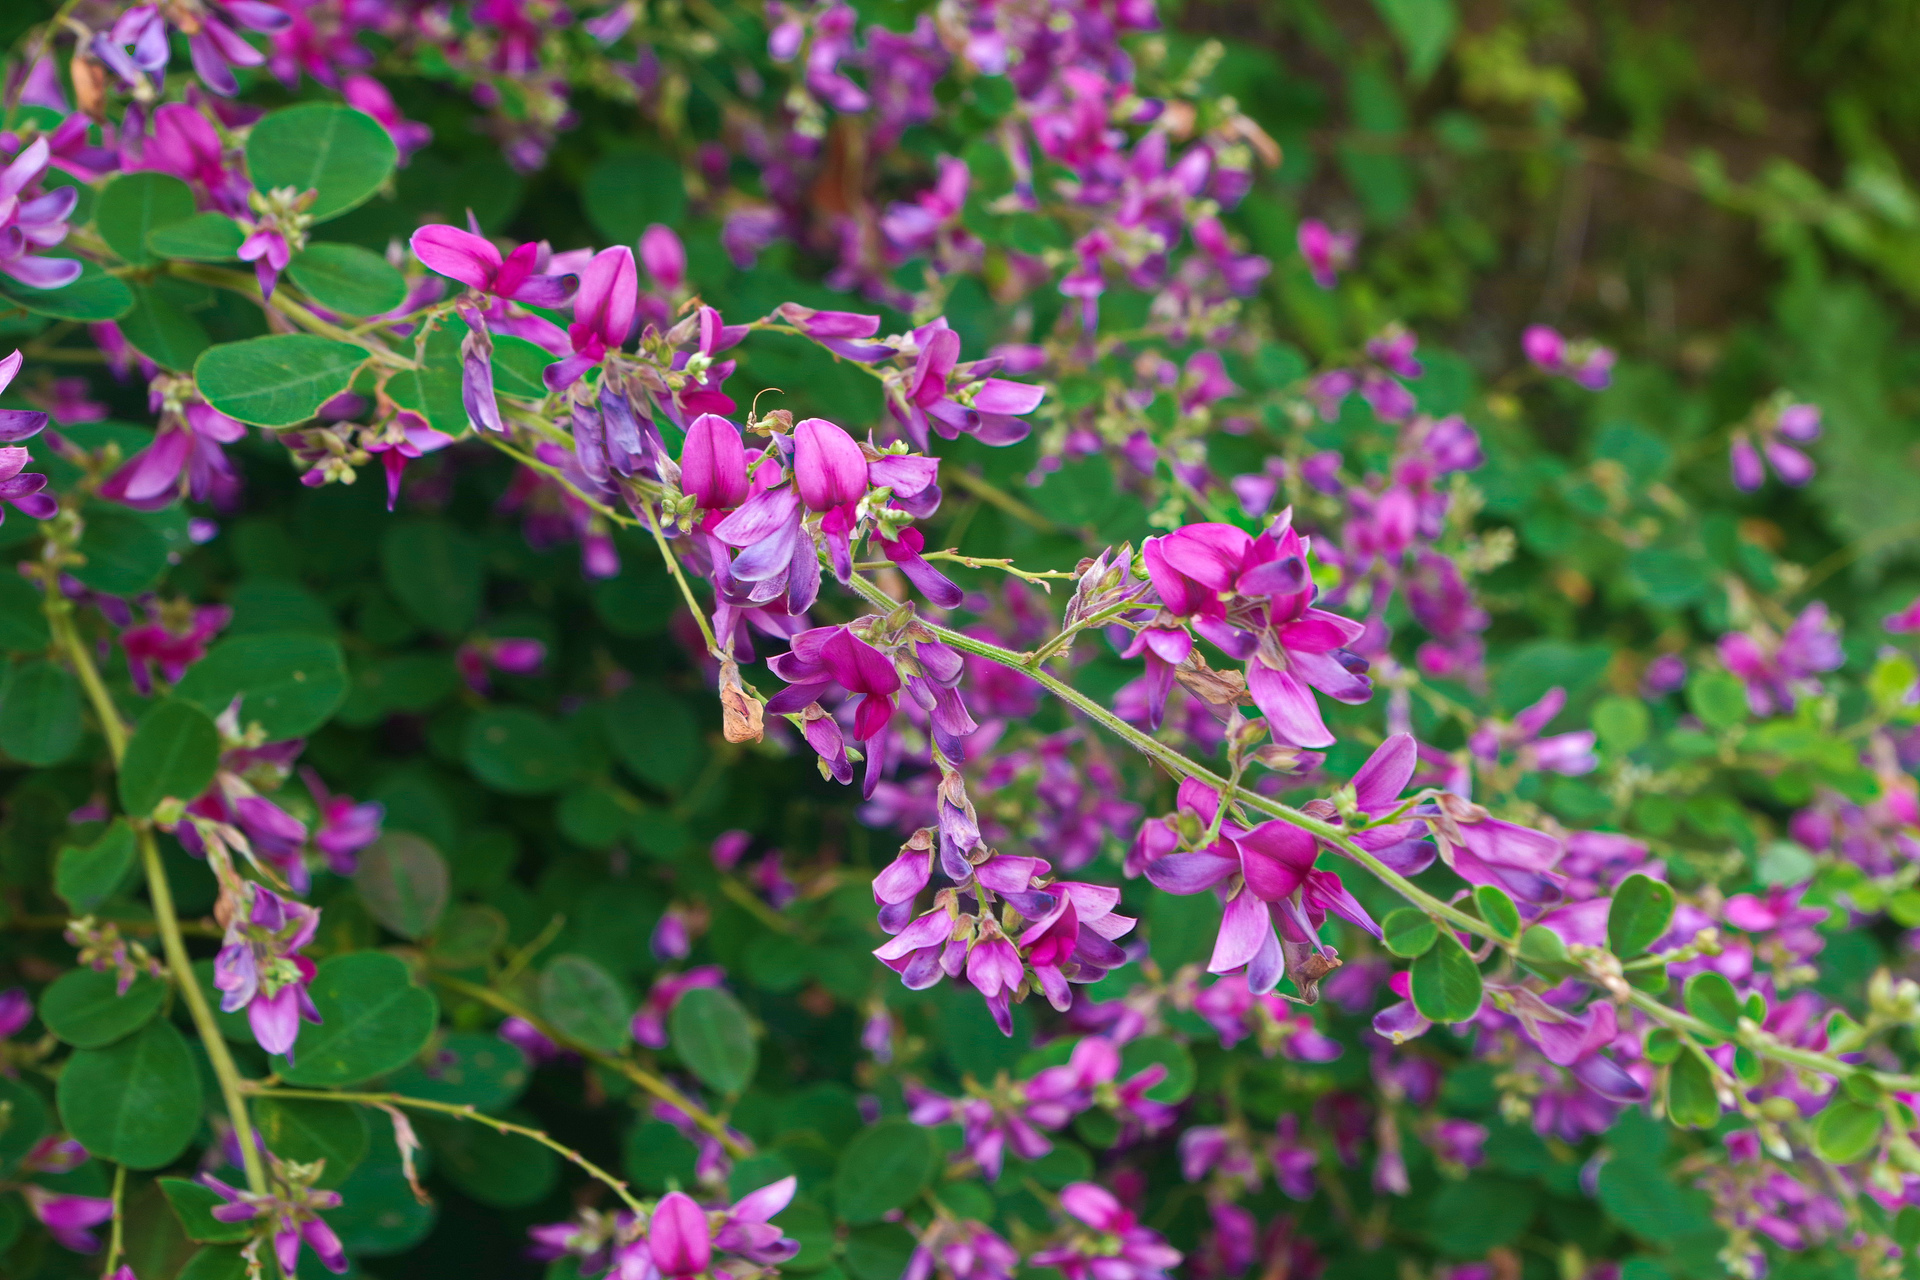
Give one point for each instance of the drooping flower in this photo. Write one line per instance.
(1585, 363)
(261, 971)
(603, 312)
(1327, 252)
(1118, 1248)
(1779, 669)
(172, 639)
(292, 1205)
(345, 827)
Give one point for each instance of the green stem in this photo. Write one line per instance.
(633, 1071)
(462, 1111)
(59, 612)
(117, 1237)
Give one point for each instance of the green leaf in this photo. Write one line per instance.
(84, 1007)
(173, 753)
(1622, 723)
(289, 682)
(1497, 909)
(193, 1204)
(1409, 932)
(883, 1169)
(87, 876)
(1719, 698)
(1165, 1051)
(1846, 1131)
(1710, 998)
(28, 1120)
(466, 1068)
(1470, 1217)
(205, 237)
(433, 389)
(23, 624)
(434, 571)
(586, 1002)
(40, 714)
(520, 752)
(163, 330)
(373, 1019)
(378, 1214)
(94, 297)
(404, 883)
(305, 1131)
(1692, 1101)
(348, 279)
(1641, 911)
(1541, 946)
(1424, 29)
(136, 1102)
(341, 154)
(1446, 981)
(626, 191)
(518, 366)
(714, 1037)
(1664, 1046)
(655, 736)
(501, 1170)
(469, 936)
(133, 205)
(280, 380)
(126, 551)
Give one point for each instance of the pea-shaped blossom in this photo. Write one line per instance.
(291, 1206)
(1116, 1248)
(259, 968)
(136, 45)
(1779, 669)
(32, 220)
(1568, 753)
(1774, 439)
(1327, 252)
(1252, 597)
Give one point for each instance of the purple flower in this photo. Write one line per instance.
(1585, 363)
(1119, 1248)
(1327, 252)
(1570, 754)
(68, 1218)
(671, 939)
(31, 220)
(260, 970)
(477, 263)
(364, 93)
(603, 312)
(649, 1025)
(664, 257)
(678, 1240)
(293, 1207)
(1799, 423)
(1778, 670)
(961, 1250)
(186, 447)
(136, 45)
(345, 827)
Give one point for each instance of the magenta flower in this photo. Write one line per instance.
(1252, 597)
(260, 969)
(671, 939)
(713, 464)
(956, 399)
(405, 437)
(136, 45)
(31, 221)
(515, 655)
(1585, 363)
(293, 1208)
(156, 643)
(828, 656)
(345, 827)
(16, 1010)
(476, 262)
(1799, 423)
(664, 257)
(1779, 669)
(603, 312)
(187, 445)
(1074, 941)
(961, 1250)
(677, 1237)
(1570, 754)
(67, 1218)
(1327, 252)
(1118, 1248)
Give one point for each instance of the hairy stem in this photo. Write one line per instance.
(461, 1111)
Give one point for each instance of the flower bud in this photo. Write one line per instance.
(828, 466)
(713, 464)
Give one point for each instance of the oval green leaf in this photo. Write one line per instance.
(501, 1170)
(136, 1102)
(883, 1169)
(466, 1068)
(163, 330)
(1710, 998)
(23, 624)
(1641, 911)
(714, 1037)
(87, 876)
(1691, 1099)
(277, 381)
(1846, 1131)
(28, 1120)
(348, 279)
(1497, 909)
(289, 682)
(85, 1008)
(40, 714)
(127, 551)
(341, 154)
(1446, 982)
(306, 1131)
(205, 237)
(133, 205)
(173, 753)
(404, 883)
(94, 297)
(520, 752)
(1409, 932)
(586, 1002)
(373, 1019)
